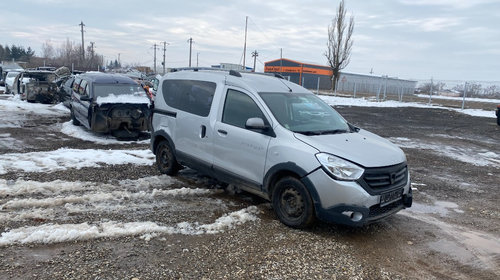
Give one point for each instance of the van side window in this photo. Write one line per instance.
(83, 86)
(194, 97)
(76, 85)
(238, 108)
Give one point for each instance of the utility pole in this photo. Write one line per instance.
(164, 52)
(245, 45)
(154, 60)
(197, 55)
(190, 41)
(83, 44)
(254, 55)
(281, 61)
(92, 54)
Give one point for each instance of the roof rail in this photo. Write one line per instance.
(196, 69)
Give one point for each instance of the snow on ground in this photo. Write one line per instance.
(15, 104)
(81, 133)
(65, 158)
(124, 98)
(472, 155)
(54, 233)
(10, 143)
(362, 102)
(467, 99)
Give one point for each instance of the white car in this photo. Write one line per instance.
(9, 80)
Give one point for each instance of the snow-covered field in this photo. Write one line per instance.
(362, 102)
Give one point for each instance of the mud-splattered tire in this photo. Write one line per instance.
(73, 118)
(165, 159)
(292, 203)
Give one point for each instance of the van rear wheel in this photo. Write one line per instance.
(292, 203)
(165, 159)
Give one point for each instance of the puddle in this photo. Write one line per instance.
(442, 208)
(468, 247)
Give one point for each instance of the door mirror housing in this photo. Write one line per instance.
(256, 123)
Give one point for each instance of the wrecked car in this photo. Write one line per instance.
(39, 86)
(110, 103)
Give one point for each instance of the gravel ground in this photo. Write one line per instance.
(452, 231)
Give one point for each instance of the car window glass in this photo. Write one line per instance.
(81, 90)
(238, 108)
(76, 85)
(194, 97)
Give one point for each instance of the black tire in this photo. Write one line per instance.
(292, 203)
(165, 159)
(73, 118)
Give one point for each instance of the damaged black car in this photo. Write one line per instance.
(110, 103)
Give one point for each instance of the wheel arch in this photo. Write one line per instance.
(291, 169)
(159, 136)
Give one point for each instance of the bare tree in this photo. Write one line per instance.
(48, 50)
(339, 43)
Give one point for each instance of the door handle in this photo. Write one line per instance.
(203, 132)
(222, 131)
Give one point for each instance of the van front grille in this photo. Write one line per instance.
(378, 180)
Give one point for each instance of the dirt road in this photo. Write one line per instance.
(126, 221)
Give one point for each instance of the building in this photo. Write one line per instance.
(314, 76)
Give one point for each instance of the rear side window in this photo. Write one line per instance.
(238, 108)
(76, 85)
(194, 97)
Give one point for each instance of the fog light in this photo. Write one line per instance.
(354, 216)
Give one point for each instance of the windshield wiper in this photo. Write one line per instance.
(333, 131)
(308, 132)
(322, 132)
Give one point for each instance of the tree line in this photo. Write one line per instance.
(16, 53)
(67, 54)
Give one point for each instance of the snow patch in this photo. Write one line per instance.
(65, 158)
(124, 98)
(362, 102)
(81, 133)
(100, 196)
(475, 156)
(15, 104)
(55, 233)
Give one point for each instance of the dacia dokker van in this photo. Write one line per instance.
(268, 136)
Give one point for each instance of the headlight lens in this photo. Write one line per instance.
(340, 168)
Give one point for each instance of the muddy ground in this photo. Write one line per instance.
(451, 232)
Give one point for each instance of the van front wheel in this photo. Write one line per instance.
(165, 159)
(292, 203)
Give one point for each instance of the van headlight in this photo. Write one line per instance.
(339, 168)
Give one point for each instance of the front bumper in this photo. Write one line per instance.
(347, 202)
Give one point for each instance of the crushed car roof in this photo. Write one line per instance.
(106, 78)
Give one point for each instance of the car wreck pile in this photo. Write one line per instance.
(101, 102)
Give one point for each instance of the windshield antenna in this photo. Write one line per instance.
(289, 89)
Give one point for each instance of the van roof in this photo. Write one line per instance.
(259, 82)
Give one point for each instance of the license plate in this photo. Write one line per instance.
(390, 197)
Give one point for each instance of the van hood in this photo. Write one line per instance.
(362, 147)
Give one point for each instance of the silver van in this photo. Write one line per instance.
(273, 138)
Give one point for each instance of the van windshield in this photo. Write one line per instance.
(304, 113)
(103, 90)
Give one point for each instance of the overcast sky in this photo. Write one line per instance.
(413, 39)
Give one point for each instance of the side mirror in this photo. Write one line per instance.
(255, 123)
